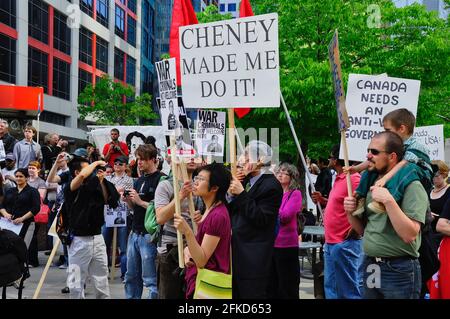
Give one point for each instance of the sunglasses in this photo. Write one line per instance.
(374, 151)
(119, 163)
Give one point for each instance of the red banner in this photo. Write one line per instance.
(22, 98)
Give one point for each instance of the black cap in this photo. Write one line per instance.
(121, 159)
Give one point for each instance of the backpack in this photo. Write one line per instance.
(63, 223)
(150, 223)
(13, 258)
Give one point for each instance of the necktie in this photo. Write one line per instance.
(248, 186)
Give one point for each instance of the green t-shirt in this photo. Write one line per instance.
(380, 238)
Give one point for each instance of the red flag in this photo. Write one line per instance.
(182, 14)
(244, 11)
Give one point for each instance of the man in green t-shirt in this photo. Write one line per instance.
(391, 239)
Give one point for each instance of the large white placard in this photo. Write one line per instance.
(7, 224)
(231, 63)
(168, 108)
(210, 132)
(369, 99)
(433, 139)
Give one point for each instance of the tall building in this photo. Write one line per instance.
(229, 6)
(42, 44)
(431, 5)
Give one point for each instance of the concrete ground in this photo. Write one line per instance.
(56, 280)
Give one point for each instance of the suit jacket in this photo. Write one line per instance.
(253, 218)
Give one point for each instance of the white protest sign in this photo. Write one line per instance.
(116, 217)
(369, 99)
(231, 63)
(9, 225)
(210, 132)
(166, 70)
(432, 137)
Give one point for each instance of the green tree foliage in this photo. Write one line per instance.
(105, 103)
(211, 14)
(407, 42)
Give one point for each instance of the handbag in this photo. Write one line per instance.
(42, 216)
(211, 284)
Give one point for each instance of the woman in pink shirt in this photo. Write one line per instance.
(285, 275)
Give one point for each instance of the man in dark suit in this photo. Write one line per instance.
(254, 206)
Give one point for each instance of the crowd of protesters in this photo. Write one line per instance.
(397, 220)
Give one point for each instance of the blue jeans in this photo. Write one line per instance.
(107, 233)
(141, 267)
(392, 279)
(342, 270)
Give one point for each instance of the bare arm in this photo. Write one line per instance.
(52, 176)
(85, 172)
(443, 226)
(349, 207)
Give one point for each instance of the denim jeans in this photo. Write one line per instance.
(342, 270)
(392, 279)
(107, 233)
(141, 267)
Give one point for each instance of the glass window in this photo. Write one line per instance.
(146, 85)
(102, 55)
(102, 12)
(7, 59)
(87, 7)
(85, 46)
(131, 71)
(84, 78)
(38, 20)
(222, 7)
(61, 79)
(54, 118)
(131, 31)
(132, 5)
(232, 7)
(120, 22)
(62, 33)
(8, 12)
(119, 64)
(37, 68)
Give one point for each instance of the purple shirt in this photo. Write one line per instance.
(217, 223)
(291, 205)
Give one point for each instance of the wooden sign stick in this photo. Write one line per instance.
(185, 175)
(232, 138)
(47, 266)
(176, 195)
(113, 258)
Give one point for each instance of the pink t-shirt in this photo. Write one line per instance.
(218, 224)
(335, 221)
(291, 205)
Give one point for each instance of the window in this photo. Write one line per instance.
(86, 46)
(54, 118)
(102, 12)
(131, 31)
(37, 68)
(222, 7)
(132, 5)
(84, 78)
(147, 28)
(61, 79)
(7, 59)
(62, 33)
(119, 64)
(38, 20)
(232, 7)
(8, 12)
(131, 71)
(87, 7)
(102, 55)
(146, 86)
(120, 22)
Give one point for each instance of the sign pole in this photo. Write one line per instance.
(299, 149)
(47, 266)
(190, 199)
(113, 258)
(232, 137)
(177, 200)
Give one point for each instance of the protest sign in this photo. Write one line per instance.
(210, 139)
(168, 108)
(9, 225)
(116, 217)
(335, 64)
(231, 63)
(369, 99)
(432, 137)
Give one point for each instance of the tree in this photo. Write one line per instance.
(211, 14)
(113, 103)
(408, 42)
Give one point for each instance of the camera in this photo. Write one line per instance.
(126, 193)
(68, 157)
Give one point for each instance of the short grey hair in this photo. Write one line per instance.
(259, 151)
(293, 174)
(48, 137)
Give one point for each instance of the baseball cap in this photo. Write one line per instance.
(80, 152)
(121, 159)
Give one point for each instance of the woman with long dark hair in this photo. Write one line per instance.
(21, 204)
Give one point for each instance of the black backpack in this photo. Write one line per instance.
(13, 260)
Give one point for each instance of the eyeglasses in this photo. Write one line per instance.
(374, 151)
(119, 163)
(199, 179)
(283, 173)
